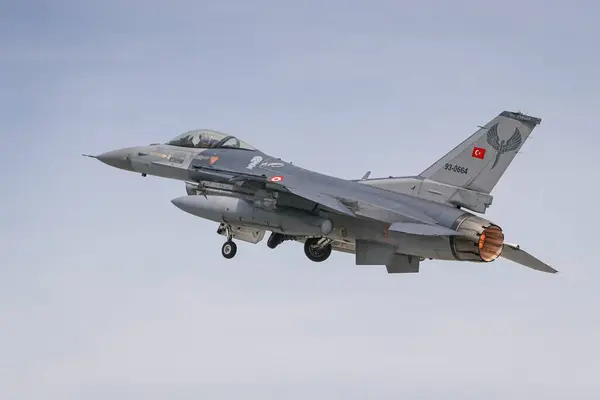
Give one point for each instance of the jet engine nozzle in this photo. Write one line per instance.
(490, 243)
(482, 240)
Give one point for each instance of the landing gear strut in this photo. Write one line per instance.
(229, 248)
(317, 249)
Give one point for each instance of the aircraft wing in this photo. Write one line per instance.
(378, 211)
(305, 192)
(322, 199)
(387, 212)
(514, 253)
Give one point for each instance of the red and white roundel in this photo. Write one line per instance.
(276, 178)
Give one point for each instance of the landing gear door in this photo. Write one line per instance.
(250, 235)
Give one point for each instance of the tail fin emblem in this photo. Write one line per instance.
(501, 147)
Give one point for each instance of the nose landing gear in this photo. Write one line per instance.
(229, 248)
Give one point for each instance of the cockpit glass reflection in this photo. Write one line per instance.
(208, 139)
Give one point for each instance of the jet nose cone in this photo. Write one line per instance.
(116, 158)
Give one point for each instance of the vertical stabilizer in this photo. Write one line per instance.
(479, 162)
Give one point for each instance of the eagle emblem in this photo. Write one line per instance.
(501, 147)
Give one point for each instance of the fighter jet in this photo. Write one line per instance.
(396, 222)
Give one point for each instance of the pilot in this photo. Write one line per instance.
(188, 141)
(204, 142)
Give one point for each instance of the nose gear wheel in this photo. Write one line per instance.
(229, 249)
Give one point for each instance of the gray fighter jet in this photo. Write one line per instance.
(396, 222)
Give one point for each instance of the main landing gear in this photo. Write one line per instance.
(229, 248)
(276, 239)
(317, 249)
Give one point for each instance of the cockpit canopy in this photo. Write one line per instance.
(209, 139)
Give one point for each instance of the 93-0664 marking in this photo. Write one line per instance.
(456, 168)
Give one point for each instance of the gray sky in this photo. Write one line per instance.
(109, 291)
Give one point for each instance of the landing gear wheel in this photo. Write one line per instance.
(314, 251)
(229, 249)
(275, 240)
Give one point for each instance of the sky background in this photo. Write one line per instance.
(109, 291)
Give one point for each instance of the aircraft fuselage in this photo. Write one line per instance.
(396, 222)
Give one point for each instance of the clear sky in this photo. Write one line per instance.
(109, 291)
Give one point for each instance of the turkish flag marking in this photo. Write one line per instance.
(478, 152)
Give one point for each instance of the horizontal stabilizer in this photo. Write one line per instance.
(514, 253)
(422, 229)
